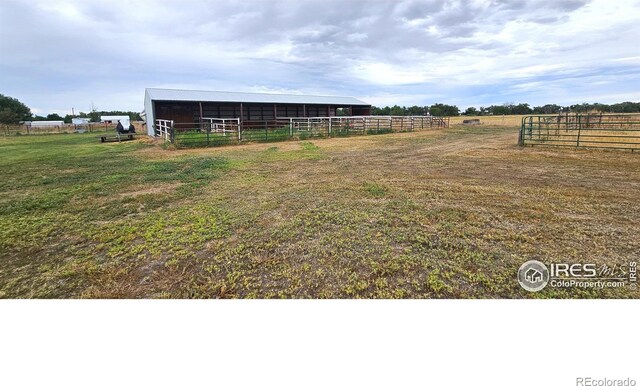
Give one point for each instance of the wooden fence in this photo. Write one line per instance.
(94, 127)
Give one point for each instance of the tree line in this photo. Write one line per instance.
(440, 109)
(94, 116)
(12, 111)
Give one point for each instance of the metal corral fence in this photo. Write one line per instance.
(93, 127)
(217, 131)
(602, 131)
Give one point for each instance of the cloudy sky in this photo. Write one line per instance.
(55, 55)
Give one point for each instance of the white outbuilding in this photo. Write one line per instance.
(44, 123)
(80, 121)
(113, 119)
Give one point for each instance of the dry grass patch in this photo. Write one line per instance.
(448, 213)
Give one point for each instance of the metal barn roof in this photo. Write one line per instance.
(160, 94)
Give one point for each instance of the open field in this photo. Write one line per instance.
(446, 213)
(493, 120)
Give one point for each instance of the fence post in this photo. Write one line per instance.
(579, 129)
(521, 133)
(239, 129)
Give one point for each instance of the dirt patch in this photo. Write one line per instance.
(158, 189)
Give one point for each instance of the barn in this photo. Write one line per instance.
(190, 106)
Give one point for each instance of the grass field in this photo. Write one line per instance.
(433, 214)
(492, 120)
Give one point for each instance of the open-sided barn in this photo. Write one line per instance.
(189, 106)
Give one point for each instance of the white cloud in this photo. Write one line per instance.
(68, 53)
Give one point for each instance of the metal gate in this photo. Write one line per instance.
(602, 131)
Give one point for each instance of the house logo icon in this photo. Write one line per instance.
(533, 276)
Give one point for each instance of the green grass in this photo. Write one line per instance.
(448, 213)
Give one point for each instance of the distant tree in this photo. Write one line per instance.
(547, 109)
(416, 110)
(13, 111)
(471, 111)
(601, 107)
(505, 109)
(397, 110)
(440, 109)
(435, 110)
(386, 110)
(94, 115)
(521, 109)
(54, 117)
(376, 110)
(625, 107)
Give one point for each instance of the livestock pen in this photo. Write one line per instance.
(222, 131)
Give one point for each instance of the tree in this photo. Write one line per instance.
(440, 109)
(547, 109)
(54, 117)
(397, 110)
(471, 111)
(521, 109)
(12, 111)
(501, 110)
(416, 110)
(94, 115)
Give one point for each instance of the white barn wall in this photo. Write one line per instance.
(148, 109)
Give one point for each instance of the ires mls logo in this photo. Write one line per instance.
(533, 276)
(574, 270)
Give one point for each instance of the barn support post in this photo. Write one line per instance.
(239, 129)
(201, 116)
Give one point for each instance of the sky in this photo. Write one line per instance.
(59, 55)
